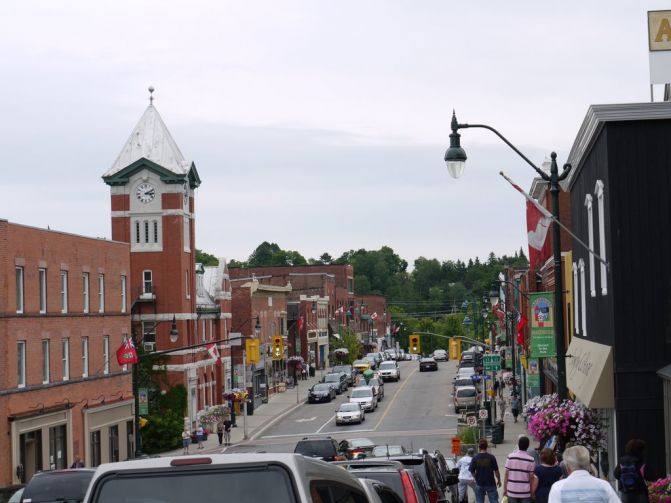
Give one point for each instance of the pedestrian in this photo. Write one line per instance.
(632, 472)
(580, 485)
(484, 468)
(519, 475)
(501, 386)
(496, 386)
(227, 431)
(501, 404)
(547, 473)
(78, 463)
(220, 432)
(465, 475)
(534, 452)
(304, 372)
(199, 436)
(186, 441)
(515, 405)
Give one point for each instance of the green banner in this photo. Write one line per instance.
(143, 399)
(542, 325)
(533, 374)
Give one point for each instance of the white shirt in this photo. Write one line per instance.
(463, 464)
(582, 487)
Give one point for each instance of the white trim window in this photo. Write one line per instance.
(64, 291)
(85, 356)
(101, 293)
(86, 291)
(590, 233)
(147, 281)
(583, 297)
(21, 364)
(46, 370)
(602, 235)
(42, 277)
(106, 354)
(65, 357)
(123, 293)
(19, 290)
(576, 305)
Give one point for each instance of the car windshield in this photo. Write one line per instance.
(259, 483)
(466, 392)
(388, 450)
(321, 387)
(362, 393)
(315, 448)
(372, 355)
(463, 382)
(374, 382)
(342, 368)
(387, 365)
(332, 378)
(360, 442)
(427, 360)
(349, 407)
(360, 362)
(58, 486)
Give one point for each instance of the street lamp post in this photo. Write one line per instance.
(174, 334)
(455, 158)
(257, 329)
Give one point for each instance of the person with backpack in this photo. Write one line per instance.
(632, 473)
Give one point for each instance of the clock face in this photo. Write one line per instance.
(145, 193)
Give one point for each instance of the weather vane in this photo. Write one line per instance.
(151, 96)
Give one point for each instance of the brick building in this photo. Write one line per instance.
(65, 311)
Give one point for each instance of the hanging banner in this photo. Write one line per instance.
(542, 325)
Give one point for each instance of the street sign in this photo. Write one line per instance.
(491, 363)
(472, 421)
(483, 414)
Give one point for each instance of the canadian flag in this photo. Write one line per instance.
(126, 353)
(538, 223)
(521, 323)
(213, 350)
(301, 321)
(373, 316)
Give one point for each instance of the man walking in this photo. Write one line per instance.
(519, 473)
(515, 405)
(465, 475)
(580, 485)
(484, 468)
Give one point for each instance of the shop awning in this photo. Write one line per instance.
(589, 373)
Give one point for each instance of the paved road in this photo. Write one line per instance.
(416, 412)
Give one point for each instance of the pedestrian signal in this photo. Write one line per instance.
(278, 349)
(415, 347)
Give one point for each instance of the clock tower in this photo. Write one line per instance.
(152, 202)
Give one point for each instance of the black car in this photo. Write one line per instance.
(321, 448)
(427, 363)
(350, 373)
(322, 392)
(337, 378)
(58, 485)
(427, 468)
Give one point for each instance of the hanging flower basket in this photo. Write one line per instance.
(660, 490)
(295, 359)
(235, 395)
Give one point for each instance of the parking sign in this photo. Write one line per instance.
(483, 414)
(472, 421)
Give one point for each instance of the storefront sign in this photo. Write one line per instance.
(542, 325)
(589, 372)
(659, 44)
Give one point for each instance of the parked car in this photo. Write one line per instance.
(350, 373)
(440, 355)
(465, 397)
(384, 451)
(243, 478)
(338, 379)
(58, 485)
(376, 355)
(427, 363)
(354, 448)
(447, 473)
(372, 360)
(349, 413)
(405, 483)
(365, 396)
(389, 371)
(465, 373)
(16, 496)
(378, 387)
(361, 365)
(322, 392)
(423, 464)
(377, 492)
(321, 448)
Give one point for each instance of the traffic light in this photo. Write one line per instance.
(252, 348)
(415, 348)
(278, 349)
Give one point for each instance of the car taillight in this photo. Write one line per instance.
(408, 489)
(433, 496)
(356, 451)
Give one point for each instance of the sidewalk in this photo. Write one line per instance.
(279, 404)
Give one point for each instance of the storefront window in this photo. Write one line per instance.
(58, 447)
(113, 442)
(95, 448)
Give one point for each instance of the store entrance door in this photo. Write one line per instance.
(30, 447)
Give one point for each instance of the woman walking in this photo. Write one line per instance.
(546, 474)
(632, 473)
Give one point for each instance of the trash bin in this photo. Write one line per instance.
(497, 433)
(312, 371)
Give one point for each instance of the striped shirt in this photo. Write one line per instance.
(519, 469)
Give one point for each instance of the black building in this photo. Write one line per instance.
(621, 206)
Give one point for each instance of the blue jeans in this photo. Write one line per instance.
(491, 492)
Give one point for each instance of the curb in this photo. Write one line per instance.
(280, 416)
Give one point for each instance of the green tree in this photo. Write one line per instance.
(206, 259)
(350, 341)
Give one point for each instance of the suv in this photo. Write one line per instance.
(321, 448)
(440, 355)
(389, 370)
(350, 373)
(424, 465)
(58, 485)
(465, 397)
(244, 478)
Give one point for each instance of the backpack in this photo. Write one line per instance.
(630, 478)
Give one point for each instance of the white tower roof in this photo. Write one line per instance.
(152, 140)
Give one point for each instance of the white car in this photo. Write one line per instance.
(389, 370)
(365, 396)
(349, 413)
(440, 355)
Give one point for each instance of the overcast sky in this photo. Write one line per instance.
(318, 125)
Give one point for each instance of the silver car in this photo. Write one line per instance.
(349, 413)
(365, 396)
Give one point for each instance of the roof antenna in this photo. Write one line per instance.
(151, 96)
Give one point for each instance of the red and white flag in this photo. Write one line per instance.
(340, 310)
(397, 328)
(521, 323)
(213, 350)
(373, 316)
(126, 353)
(538, 223)
(301, 322)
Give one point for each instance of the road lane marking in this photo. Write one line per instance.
(288, 435)
(398, 392)
(306, 419)
(326, 423)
